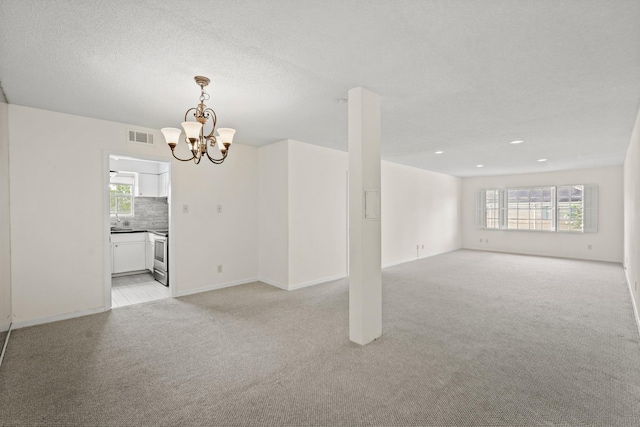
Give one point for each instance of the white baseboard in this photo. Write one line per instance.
(317, 282)
(5, 328)
(303, 285)
(404, 261)
(217, 286)
(275, 284)
(633, 302)
(56, 318)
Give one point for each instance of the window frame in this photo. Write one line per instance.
(129, 181)
(487, 197)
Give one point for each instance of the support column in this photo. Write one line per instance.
(365, 276)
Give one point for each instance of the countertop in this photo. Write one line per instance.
(140, 230)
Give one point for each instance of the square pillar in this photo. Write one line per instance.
(365, 271)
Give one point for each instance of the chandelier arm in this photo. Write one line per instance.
(215, 121)
(217, 161)
(173, 146)
(187, 113)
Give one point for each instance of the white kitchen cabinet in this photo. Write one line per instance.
(150, 242)
(147, 185)
(128, 252)
(163, 184)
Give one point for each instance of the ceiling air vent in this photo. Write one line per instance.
(140, 137)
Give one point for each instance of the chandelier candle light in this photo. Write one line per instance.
(195, 138)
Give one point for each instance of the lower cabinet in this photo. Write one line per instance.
(150, 243)
(128, 252)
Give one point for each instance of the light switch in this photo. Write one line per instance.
(371, 204)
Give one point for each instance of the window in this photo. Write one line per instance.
(492, 213)
(121, 199)
(121, 194)
(570, 208)
(530, 208)
(567, 208)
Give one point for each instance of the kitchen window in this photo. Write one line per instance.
(121, 199)
(121, 187)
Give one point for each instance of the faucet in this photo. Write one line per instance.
(117, 217)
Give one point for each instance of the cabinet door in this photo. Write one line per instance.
(150, 256)
(129, 256)
(147, 185)
(163, 184)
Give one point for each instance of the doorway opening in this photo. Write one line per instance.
(137, 260)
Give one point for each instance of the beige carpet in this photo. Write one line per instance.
(470, 338)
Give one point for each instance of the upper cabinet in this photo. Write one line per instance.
(151, 178)
(147, 185)
(163, 184)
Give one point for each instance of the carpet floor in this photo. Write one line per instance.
(469, 339)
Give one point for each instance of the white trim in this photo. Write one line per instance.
(275, 284)
(107, 153)
(540, 254)
(4, 345)
(302, 285)
(633, 303)
(404, 261)
(316, 282)
(106, 225)
(57, 317)
(5, 327)
(214, 287)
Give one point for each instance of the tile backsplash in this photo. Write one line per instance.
(149, 213)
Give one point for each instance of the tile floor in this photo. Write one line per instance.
(136, 288)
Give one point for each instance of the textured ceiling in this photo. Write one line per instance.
(465, 77)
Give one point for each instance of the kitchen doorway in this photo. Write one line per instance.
(137, 197)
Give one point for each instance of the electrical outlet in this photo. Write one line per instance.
(185, 208)
(220, 268)
(219, 208)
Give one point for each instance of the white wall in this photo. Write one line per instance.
(419, 208)
(203, 238)
(303, 214)
(317, 214)
(274, 214)
(632, 214)
(58, 243)
(606, 243)
(5, 225)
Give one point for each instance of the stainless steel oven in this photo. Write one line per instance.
(161, 259)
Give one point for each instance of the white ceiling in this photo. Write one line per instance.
(461, 76)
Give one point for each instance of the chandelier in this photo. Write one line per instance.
(196, 138)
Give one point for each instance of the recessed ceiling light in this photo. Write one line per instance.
(479, 166)
(516, 142)
(542, 160)
(439, 152)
